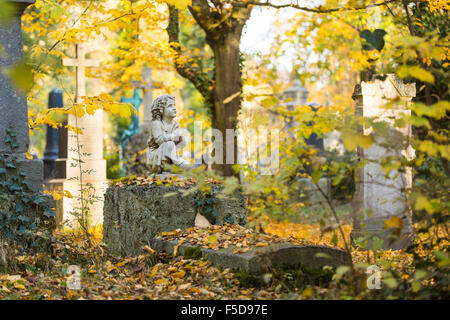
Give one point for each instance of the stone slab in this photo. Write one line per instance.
(262, 259)
(133, 215)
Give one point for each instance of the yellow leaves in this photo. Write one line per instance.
(22, 76)
(29, 156)
(415, 72)
(154, 271)
(261, 244)
(180, 4)
(161, 282)
(179, 274)
(19, 286)
(232, 97)
(58, 194)
(308, 292)
(395, 223)
(432, 149)
(352, 140)
(429, 205)
(212, 239)
(437, 110)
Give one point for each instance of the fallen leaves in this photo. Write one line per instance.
(149, 180)
(215, 237)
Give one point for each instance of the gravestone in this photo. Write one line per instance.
(297, 95)
(134, 214)
(21, 178)
(379, 197)
(67, 171)
(55, 100)
(135, 152)
(13, 102)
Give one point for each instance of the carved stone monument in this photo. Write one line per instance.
(21, 178)
(379, 197)
(89, 144)
(165, 136)
(13, 101)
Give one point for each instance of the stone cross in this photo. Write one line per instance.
(13, 101)
(55, 100)
(147, 85)
(91, 147)
(379, 197)
(80, 63)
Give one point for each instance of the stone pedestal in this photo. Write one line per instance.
(66, 208)
(93, 167)
(133, 215)
(379, 197)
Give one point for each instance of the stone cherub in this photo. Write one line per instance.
(165, 136)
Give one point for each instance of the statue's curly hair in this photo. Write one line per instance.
(159, 104)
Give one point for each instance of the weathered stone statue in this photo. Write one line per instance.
(165, 136)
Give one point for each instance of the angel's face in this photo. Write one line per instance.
(170, 110)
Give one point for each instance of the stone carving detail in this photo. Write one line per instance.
(166, 136)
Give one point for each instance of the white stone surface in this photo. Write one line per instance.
(377, 197)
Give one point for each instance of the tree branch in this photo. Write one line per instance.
(198, 78)
(319, 9)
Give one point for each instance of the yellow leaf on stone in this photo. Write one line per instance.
(28, 156)
(261, 244)
(353, 140)
(394, 222)
(212, 239)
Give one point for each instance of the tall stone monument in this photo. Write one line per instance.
(379, 197)
(89, 144)
(55, 100)
(13, 101)
(21, 178)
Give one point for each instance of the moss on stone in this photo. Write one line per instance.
(193, 253)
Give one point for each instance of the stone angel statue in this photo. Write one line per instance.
(165, 136)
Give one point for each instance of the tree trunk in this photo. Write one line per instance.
(227, 91)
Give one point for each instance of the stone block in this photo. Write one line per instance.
(135, 214)
(263, 259)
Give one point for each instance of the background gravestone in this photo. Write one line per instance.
(135, 157)
(67, 170)
(297, 95)
(55, 100)
(379, 197)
